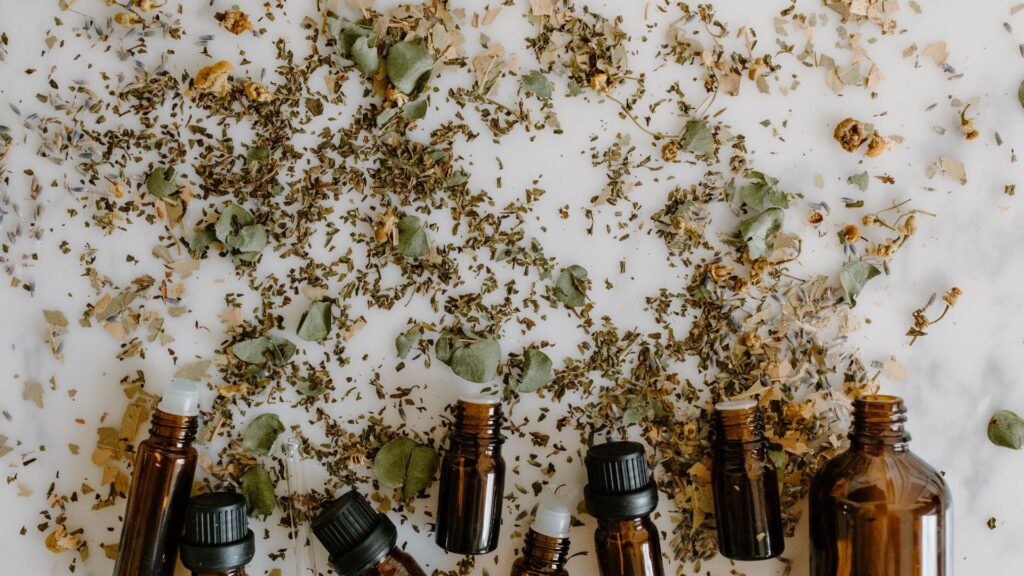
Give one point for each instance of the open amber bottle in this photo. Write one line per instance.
(745, 485)
(877, 509)
(547, 542)
(472, 482)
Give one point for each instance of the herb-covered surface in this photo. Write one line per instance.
(339, 216)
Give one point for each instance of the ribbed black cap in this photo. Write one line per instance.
(216, 518)
(217, 535)
(619, 481)
(354, 534)
(617, 468)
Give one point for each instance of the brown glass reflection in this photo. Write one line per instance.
(628, 547)
(745, 486)
(472, 480)
(542, 556)
(877, 509)
(162, 481)
(396, 563)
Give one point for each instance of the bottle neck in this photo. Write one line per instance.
(173, 429)
(478, 422)
(545, 552)
(878, 421)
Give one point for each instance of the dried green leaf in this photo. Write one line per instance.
(1006, 429)
(195, 371)
(412, 238)
(860, 180)
(260, 434)
(698, 138)
(853, 278)
(356, 44)
(315, 323)
(201, 242)
(472, 357)
(232, 217)
(759, 232)
(4, 448)
(420, 471)
(407, 340)
(763, 193)
(415, 110)
(250, 239)
(258, 490)
(535, 81)
(364, 54)
(257, 153)
(391, 461)
(409, 65)
(537, 371)
(161, 182)
(33, 392)
(259, 350)
(1020, 93)
(571, 286)
(55, 318)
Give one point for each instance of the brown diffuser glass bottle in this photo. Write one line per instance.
(472, 479)
(877, 509)
(621, 494)
(745, 485)
(217, 541)
(161, 484)
(361, 541)
(547, 543)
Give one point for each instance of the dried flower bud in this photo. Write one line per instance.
(146, 5)
(850, 234)
(234, 21)
(909, 225)
(599, 82)
(719, 271)
(669, 152)
(951, 297)
(850, 134)
(214, 78)
(752, 340)
(815, 218)
(127, 18)
(257, 92)
(869, 220)
(877, 144)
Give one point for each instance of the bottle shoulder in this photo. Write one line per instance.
(886, 476)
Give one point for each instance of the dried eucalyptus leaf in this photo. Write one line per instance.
(259, 350)
(356, 45)
(391, 461)
(315, 323)
(763, 193)
(415, 110)
(260, 434)
(408, 65)
(571, 286)
(477, 361)
(55, 318)
(420, 471)
(535, 81)
(698, 138)
(258, 490)
(412, 238)
(251, 238)
(201, 242)
(537, 371)
(161, 182)
(232, 217)
(1006, 429)
(758, 232)
(364, 55)
(853, 278)
(405, 342)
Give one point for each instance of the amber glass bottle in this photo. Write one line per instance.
(745, 486)
(621, 495)
(161, 483)
(877, 509)
(546, 549)
(361, 541)
(472, 479)
(217, 541)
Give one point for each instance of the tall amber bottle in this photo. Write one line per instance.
(877, 509)
(745, 485)
(217, 540)
(161, 483)
(472, 479)
(361, 541)
(546, 549)
(621, 494)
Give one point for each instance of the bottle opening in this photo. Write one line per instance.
(181, 398)
(879, 419)
(731, 405)
(552, 519)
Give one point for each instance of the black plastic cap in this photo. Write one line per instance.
(619, 481)
(217, 535)
(354, 534)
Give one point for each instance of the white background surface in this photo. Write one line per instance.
(968, 367)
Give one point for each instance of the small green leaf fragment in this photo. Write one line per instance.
(258, 490)
(408, 65)
(537, 371)
(420, 471)
(260, 434)
(415, 110)
(698, 138)
(55, 318)
(1020, 94)
(259, 350)
(1006, 429)
(315, 323)
(391, 461)
(232, 217)
(406, 341)
(571, 286)
(161, 182)
(201, 242)
(412, 238)
(763, 193)
(861, 180)
(472, 357)
(535, 81)
(759, 232)
(257, 154)
(854, 276)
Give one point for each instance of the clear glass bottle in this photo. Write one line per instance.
(546, 549)
(745, 486)
(472, 482)
(360, 541)
(217, 540)
(161, 484)
(621, 494)
(877, 509)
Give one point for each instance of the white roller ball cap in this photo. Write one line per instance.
(181, 398)
(552, 519)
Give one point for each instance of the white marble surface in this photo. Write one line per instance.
(968, 366)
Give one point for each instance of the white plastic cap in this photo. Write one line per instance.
(552, 519)
(735, 405)
(181, 398)
(480, 399)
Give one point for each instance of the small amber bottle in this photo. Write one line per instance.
(877, 508)
(161, 483)
(745, 485)
(621, 494)
(360, 541)
(217, 541)
(546, 549)
(472, 479)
